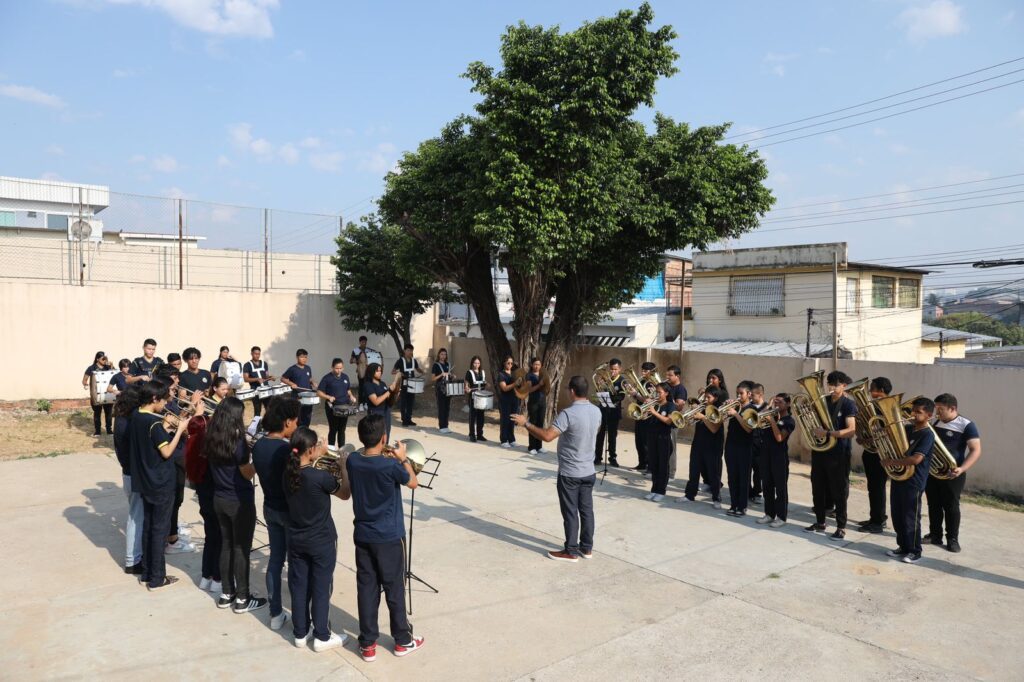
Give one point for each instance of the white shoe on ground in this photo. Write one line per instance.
(182, 546)
(204, 584)
(765, 519)
(301, 642)
(649, 496)
(216, 587)
(185, 530)
(506, 445)
(716, 505)
(277, 622)
(657, 498)
(777, 523)
(533, 452)
(336, 640)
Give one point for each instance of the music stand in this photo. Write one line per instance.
(605, 401)
(409, 575)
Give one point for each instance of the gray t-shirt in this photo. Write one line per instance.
(579, 424)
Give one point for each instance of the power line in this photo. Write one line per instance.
(901, 215)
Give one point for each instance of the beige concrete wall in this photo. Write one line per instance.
(51, 331)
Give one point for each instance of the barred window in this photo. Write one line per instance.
(910, 292)
(852, 295)
(883, 292)
(757, 295)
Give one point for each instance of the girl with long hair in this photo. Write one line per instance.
(508, 401)
(377, 394)
(127, 402)
(441, 373)
(99, 363)
(476, 380)
(660, 441)
(706, 452)
(197, 470)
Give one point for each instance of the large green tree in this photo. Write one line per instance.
(979, 323)
(555, 180)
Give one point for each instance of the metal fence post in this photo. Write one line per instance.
(266, 254)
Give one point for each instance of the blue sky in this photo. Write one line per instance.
(305, 106)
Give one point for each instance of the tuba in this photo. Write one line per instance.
(810, 411)
(865, 410)
(943, 463)
(888, 436)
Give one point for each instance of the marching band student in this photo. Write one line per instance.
(536, 403)
(961, 438)
(377, 395)
(738, 450)
(151, 449)
(127, 402)
(677, 395)
(906, 495)
(300, 377)
(100, 363)
(757, 402)
(874, 471)
(174, 360)
(225, 356)
(408, 366)
(119, 382)
(353, 360)
(476, 380)
(660, 442)
(508, 402)
(611, 416)
(197, 471)
(256, 372)
(220, 389)
(193, 378)
(775, 463)
(441, 373)
(143, 366)
(706, 451)
(640, 426)
(178, 539)
(270, 456)
(234, 501)
(830, 470)
(379, 536)
(312, 540)
(335, 388)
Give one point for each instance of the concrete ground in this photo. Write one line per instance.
(674, 591)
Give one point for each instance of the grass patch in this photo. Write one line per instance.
(995, 501)
(774, 576)
(40, 455)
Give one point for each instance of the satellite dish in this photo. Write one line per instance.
(81, 229)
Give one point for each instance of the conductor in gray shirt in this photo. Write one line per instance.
(576, 429)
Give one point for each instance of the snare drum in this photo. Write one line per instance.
(454, 387)
(98, 383)
(265, 391)
(347, 410)
(280, 389)
(414, 384)
(309, 398)
(245, 393)
(483, 400)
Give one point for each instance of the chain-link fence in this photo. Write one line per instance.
(85, 234)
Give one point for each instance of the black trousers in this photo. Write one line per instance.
(237, 520)
(705, 463)
(737, 465)
(310, 582)
(381, 566)
(335, 428)
(906, 515)
(508, 430)
(944, 505)
(755, 470)
(830, 480)
(107, 410)
(775, 480)
(576, 502)
(211, 528)
(179, 492)
(659, 450)
(640, 441)
(444, 408)
(610, 418)
(305, 415)
(156, 522)
(877, 479)
(257, 407)
(406, 401)
(535, 411)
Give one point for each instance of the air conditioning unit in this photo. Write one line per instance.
(85, 229)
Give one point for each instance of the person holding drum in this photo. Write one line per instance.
(410, 370)
(378, 395)
(100, 363)
(508, 401)
(476, 382)
(442, 374)
(257, 373)
(300, 377)
(335, 389)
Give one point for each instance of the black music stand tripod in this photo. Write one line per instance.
(409, 575)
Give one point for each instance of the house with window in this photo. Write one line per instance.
(785, 295)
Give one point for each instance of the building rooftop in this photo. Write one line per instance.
(931, 333)
(778, 349)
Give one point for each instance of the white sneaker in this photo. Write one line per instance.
(765, 519)
(777, 523)
(716, 505)
(332, 448)
(182, 546)
(657, 498)
(334, 642)
(185, 530)
(533, 452)
(444, 430)
(204, 584)
(506, 445)
(277, 622)
(216, 587)
(684, 499)
(301, 642)
(649, 496)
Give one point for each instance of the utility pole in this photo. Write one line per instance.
(810, 315)
(835, 310)
(266, 254)
(181, 249)
(942, 345)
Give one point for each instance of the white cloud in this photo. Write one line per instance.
(27, 93)
(261, 147)
(380, 160)
(50, 175)
(219, 17)
(310, 143)
(289, 153)
(165, 164)
(776, 62)
(223, 214)
(241, 136)
(176, 193)
(939, 19)
(1008, 17)
(223, 161)
(137, 158)
(326, 161)
(55, 150)
(124, 73)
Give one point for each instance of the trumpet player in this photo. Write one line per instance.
(775, 461)
(905, 496)
(757, 402)
(660, 441)
(536, 403)
(639, 426)
(873, 469)
(611, 416)
(678, 396)
(960, 436)
(194, 378)
(706, 449)
(738, 451)
(830, 470)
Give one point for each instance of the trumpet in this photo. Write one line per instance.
(640, 411)
(721, 413)
(681, 420)
(186, 400)
(762, 419)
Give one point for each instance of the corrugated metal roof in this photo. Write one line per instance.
(931, 333)
(782, 349)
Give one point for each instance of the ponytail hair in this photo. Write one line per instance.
(303, 440)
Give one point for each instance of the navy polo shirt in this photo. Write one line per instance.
(659, 429)
(270, 457)
(373, 388)
(508, 397)
(153, 474)
(921, 442)
(201, 380)
(537, 396)
(300, 376)
(336, 387)
(706, 441)
(310, 525)
(122, 444)
(772, 448)
(228, 481)
(401, 364)
(376, 497)
(839, 411)
(677, 393)
(143, 367)
(955, 434)
(738, 440)
(119, 381)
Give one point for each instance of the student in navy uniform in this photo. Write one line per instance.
(379, 536)
(197, 471)
(100, 363)
(738, 451)
(476, 380)
(611, 416)
(441, 374)
(224, 356)
(270, 457)
(757, 401)
(775, 463)
(961, 438)
(312, 541)
(174, 360)
(905, 496)
(536, 403)
(874, 471)
(127, 402)
(256, 372)
(678, 396)
(408, 367)
(335, 389)
(178, 539)
(119, 382)
(508, 402)
(830, 470)
(152, 471)
(143, 366)
(300, 377)
(377, 395)
(660, 441)
(353, 360)
(706, 451)
(639, 427)
(193, 378)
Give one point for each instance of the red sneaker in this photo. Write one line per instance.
(562, 555)
(369, 653)
(403, 649)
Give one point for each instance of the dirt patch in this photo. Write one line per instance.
(29, 433)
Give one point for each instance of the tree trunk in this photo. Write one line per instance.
(532, 292)
(563, 332)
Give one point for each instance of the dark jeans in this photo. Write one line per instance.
(610, 418)
(311, 581)
(775, 478)
(707, 464)
(944, 505)
(535, 412)
(335, 428)
(305, 415)
(237, 520)
(830, 482)
(444, 408)
(211, 529)
(277, 530)
(508, 429)
(381, 566)
(476, 422)
(737, 464)
(640, 440)
(576, 501)
(659, 450)
(755, 471)
(155, 524)
(906, 515)
(179, 492)
(877, 479)
(406, 401)
(108, 412)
